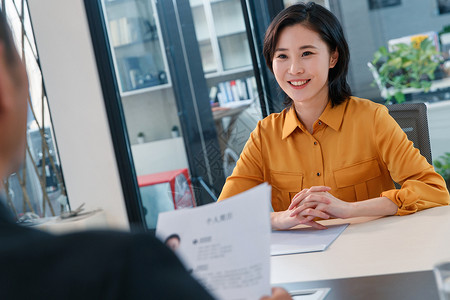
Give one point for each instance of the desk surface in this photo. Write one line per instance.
(373, 246)
(412, 286)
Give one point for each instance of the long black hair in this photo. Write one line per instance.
(319, 19)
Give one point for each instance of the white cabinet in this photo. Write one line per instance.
(138, 51)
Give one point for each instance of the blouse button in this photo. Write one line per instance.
(320, 122)
(315, 143)
(318, 174)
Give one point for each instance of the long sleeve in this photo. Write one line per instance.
(248, 172)
(421, 186)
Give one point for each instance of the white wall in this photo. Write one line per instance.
(77, 107)
(153, 113)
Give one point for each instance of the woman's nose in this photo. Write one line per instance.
(296, 67)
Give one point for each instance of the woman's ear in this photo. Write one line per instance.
(334, 56)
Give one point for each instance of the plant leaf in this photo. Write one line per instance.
(399, 97)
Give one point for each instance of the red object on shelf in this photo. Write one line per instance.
(176, 180)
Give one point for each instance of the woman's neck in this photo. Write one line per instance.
(308, 113)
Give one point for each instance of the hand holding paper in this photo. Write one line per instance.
(278, 294)
(227, 249)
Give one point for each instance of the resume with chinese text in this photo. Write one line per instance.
(225, 245)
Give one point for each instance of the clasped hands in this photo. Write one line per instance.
(315, 202)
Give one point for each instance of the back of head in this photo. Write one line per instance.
(319, 19)
(7, 41)
(13, 103)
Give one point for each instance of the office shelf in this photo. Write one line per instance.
(134, 35)
(221, 33)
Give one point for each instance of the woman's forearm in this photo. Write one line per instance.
(380, 206)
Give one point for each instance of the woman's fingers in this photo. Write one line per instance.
(297, 198)
(309, 221)
(316, 225)
(311, 211)
(311, 201)
(306, 192)
(277, 294)
(319, 188)
(282, 221)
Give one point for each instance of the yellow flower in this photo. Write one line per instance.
(417, 40)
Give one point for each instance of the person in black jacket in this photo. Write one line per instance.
(89, 265)
(86, 265)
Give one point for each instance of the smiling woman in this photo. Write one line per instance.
(328, 154)
(323, 25)
(301, 68)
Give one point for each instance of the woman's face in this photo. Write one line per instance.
(300, 64)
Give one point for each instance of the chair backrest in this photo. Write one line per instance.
(412, 118)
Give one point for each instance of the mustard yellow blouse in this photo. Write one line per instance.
(356, 148)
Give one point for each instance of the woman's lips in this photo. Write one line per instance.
(299, 83)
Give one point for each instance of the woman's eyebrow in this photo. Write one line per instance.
(308, 47)
(300, 48)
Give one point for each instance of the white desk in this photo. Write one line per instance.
(379, 246)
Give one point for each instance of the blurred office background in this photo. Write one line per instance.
(153, 101)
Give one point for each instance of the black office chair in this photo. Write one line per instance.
(412, 118)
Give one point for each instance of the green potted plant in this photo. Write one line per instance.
(408, 66)
(442, 166)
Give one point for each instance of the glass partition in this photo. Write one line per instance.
(148, 101)
(227, 63)
(186, 130)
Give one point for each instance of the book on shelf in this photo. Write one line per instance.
(139, 72)
(126, 31)
(242, 89)
(251, 87)
(234, 90)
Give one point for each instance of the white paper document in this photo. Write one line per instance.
(226, 245)
(304, 240)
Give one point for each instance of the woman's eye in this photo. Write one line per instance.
(282, 56)
(307, 53)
